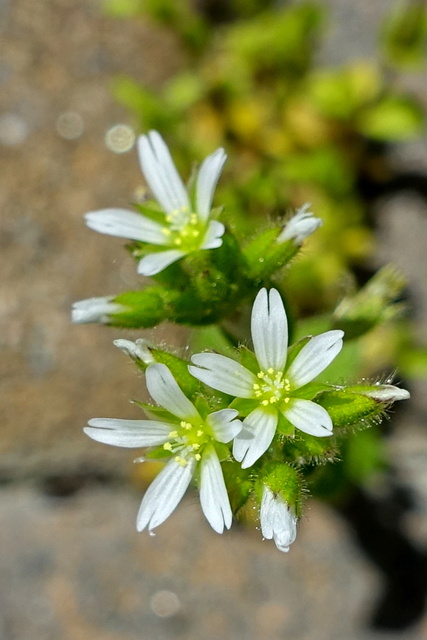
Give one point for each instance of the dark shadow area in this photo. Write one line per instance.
(377, 526)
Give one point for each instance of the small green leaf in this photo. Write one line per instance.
(393, 118)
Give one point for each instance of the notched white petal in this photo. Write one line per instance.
(261, 423)
(207, 179)
(223, 374)
(164, 494)
(224, 425)
(213, 493)
(155, 262)
(126, 224)
(269, 327)
(128, 433)
(309, 417)
(314, 357)
(213, 236)
(164, 389)
(160, 173)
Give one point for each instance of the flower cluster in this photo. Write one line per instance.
(192, 442)
(259, 415)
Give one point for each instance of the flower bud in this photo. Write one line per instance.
(96, 310)
(300, 226)
(277, 520)
(139, 351)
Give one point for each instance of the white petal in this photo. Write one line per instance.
(164, 389)
(128, 433)
(207, 180)
(300, 226)
(161, 174)
(309, 417)
(95, 310)
(223, 374)
(138, 350)
(269, 327)
(224, 425)
(262, 425)
(213, 493)
(387, 393)
(155, 262)
(213, 236)
(164, 494)
(277, 521)
(314, 357)
(126, 224)
(266, 514)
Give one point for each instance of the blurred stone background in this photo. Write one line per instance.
(73, 566)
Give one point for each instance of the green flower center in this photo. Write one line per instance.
(184, 231)
(187, 440)
(272, 387)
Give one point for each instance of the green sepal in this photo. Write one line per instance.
(152, 211)
(264, 255)
(222, 451)
(285, 480)
(284, 427)
(157, 454)
(294, 350)
(179, 369)
(349, 408)
(244, 405)
(310, 390)
(154, 412)
(305, 449)
(248, 359)
(145, 308)
(202, 406)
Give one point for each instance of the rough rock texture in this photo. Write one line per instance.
(75, 568)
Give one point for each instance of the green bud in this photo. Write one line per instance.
(144, 309)
(284, 480)
(359, 405)
(264, 255)
(372, 305)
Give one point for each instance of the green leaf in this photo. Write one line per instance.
(393, 118)
(404, 35)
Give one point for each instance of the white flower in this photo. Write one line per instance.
(277, 520)
(273, 390)
(187, 439)
(95, 310)
(300, 226)
(186, 226)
